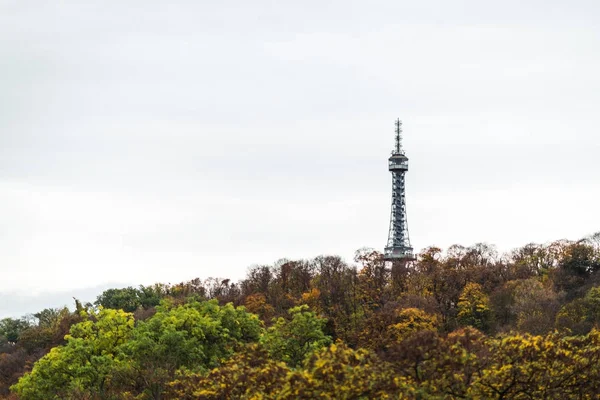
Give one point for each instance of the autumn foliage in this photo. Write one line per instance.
(464, 323)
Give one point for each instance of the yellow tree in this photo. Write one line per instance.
(473, 307)
(249, 374)
(411, 320)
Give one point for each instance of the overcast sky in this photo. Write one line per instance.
(147, 141)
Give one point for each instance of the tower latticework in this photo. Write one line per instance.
(398, 245)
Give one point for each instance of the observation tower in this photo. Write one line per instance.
(398, 245)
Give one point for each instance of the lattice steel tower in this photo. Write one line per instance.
(398, 245)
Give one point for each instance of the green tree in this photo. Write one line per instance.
(11, 329)
(195, 336)
(127, 299)
(82, 366)
(292, 340)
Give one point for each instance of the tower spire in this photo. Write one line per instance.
(398, 136)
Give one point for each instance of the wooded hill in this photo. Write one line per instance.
(464, 323)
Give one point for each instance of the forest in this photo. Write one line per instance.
(460, 323)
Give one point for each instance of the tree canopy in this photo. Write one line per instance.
(462, 323)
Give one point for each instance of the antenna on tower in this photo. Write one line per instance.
(398, 136)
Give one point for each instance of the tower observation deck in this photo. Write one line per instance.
(398, 245)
